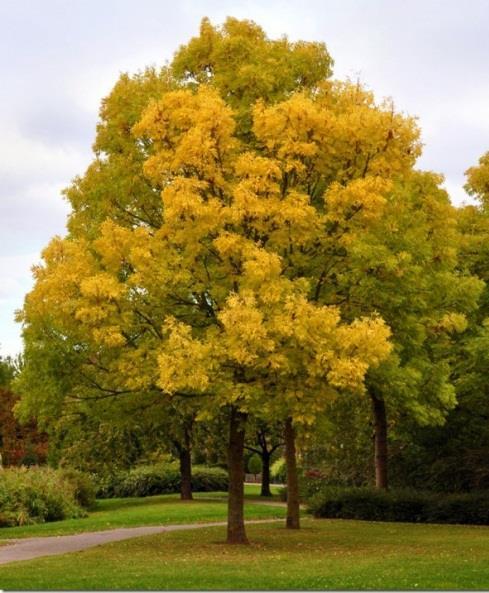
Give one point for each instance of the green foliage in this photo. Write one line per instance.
(400, 505)
(340, 444)
(255, 464)
(209, 479)
(36, 495)
(158, 479)
(7, 371)
(83, 486)
(278, 470)
(139, 481)
(102, 441)
(450, 458)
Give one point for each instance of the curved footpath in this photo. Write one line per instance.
(36, 547)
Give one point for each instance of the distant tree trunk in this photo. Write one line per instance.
(185, 454)
(265, 474)
(236, 533)
(265, 451)
(380, 441)
(293, 503)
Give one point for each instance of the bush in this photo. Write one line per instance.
(400, 505)
(208, 479)
(308, 485)
(83, 485)
(159, 479)
(35, 495)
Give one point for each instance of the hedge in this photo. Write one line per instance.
(400, 505)
(158, 479)
(36, 495)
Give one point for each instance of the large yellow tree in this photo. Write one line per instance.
(202, 235)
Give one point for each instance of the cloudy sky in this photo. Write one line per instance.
(58, 58)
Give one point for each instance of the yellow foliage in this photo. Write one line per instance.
(204, 231)
(453, 322)
(101, 287)
(192, 132)
(365, 196)
(187, 363)
(478, 180)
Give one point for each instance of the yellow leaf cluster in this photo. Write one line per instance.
(192, 133)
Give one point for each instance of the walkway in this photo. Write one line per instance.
(35, 547)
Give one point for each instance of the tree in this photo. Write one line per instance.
(254, 464)
(405, 266)
(201, 241)
(264, 440)
(19, 444)
(411, 267)
(455, 455)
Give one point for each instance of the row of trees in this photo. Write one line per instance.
(252, 242)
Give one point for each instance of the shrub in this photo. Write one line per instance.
(35, 495)
(83, 486)
(400, 505)
(158, 479)
(307, 485)
(208, 479)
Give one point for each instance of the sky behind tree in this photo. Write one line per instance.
(59, 58)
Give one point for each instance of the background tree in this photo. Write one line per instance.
(19, 444)
(264, 440)
(454, 456)
(421, 270)
(405, 267)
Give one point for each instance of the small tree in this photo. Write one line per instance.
(254, 464)
(264, 440)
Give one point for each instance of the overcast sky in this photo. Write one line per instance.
(58, 58)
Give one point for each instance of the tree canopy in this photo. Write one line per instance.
(252, 237)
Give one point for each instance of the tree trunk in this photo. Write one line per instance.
(293, 504)
(265, 474)
(236, 533)
(380, 442)
(184, 449)
(186, 467)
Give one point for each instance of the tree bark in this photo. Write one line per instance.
(185, 454)
(293, 503)
(265, 474)
(236, 533)
(380, 442)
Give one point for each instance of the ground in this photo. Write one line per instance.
(154, 510)
(325, 554)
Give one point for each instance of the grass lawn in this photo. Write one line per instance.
(325, 554)
(152, 510)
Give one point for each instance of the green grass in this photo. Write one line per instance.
(325, 554)
(252, 492)
(166, 509)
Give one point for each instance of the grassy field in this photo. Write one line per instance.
(325, 554)
(152, 510)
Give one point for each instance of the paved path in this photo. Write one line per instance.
(35, 547)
